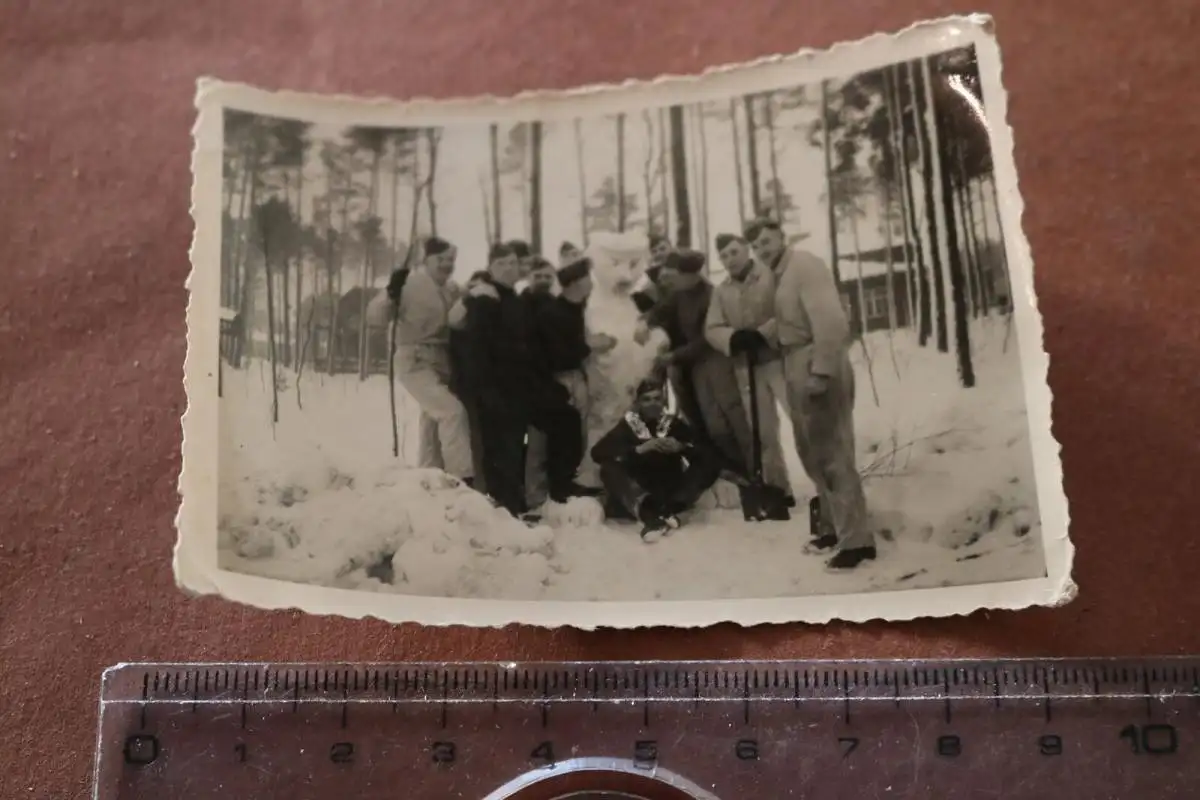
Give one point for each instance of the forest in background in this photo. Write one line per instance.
(313, 224)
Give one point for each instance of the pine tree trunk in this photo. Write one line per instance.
(1003, 243)
(898, 143)
(487, 211)
(228, 233)
(737, 161)
(246, 302)
(583, 195)
(703, 187)
(396, 141)
(982, 273)
(535, 187)
(331, 268)
(418, 186)
(862, 289)
(239, 227)
(752, 145)
(931, 178)
(776, 187)
(621, 173)
(284, 311)
(986, 246)
(974, 286)
(523, 194)
(943, 128)
(364, 339)
(497, 226)
(647, 175)
(343, 238)
(887, 243)
(299, 256)
(679, 169)
(271, 328)
(431, 181)
(922, 311)
(830, 190)
(663, 172)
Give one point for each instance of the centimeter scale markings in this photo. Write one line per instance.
(1012, 728)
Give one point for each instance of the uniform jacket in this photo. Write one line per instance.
(503, 364)
(809, 311)
(648, 469)
(745, 304)
(424, 310)
(561, 332)
(682, 315)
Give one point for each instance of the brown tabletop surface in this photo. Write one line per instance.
(96, 110)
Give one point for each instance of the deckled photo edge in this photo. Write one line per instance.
(1030, 325)
(195, 556)
(195, 553)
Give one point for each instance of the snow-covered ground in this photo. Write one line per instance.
(320, 499)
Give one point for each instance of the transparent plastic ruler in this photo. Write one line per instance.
(1009, 729)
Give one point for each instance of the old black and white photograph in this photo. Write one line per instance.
(758, 345)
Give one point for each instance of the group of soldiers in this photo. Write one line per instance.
(498, 368)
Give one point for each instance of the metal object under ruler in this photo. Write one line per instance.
(655, 730)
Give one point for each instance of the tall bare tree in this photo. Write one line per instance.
(621, 209)
(664, 170)
(433, 136)
(768, 104)
(752, 148)
(899, 149)
(928, 150)
(373, 141)
(497, 215)
(828, 122)
(535, 187)
(679, 170)
(583, 192)
(702, 139)
(737, 161)
(647, 170)
(941, 98)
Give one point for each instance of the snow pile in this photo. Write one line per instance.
(320, 499)
(418, 529)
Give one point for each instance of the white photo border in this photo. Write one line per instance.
(195, 562)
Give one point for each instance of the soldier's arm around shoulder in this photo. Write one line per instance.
(810, 278)
(717, 329)
(457, 316)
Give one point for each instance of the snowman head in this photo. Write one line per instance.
(619, 261)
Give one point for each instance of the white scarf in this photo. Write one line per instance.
(640, 430)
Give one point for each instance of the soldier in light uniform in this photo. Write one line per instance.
(814, 337)
(423, 360)
(741, 318)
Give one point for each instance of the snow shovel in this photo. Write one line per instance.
(760, 501)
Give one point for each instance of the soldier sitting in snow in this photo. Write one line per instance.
(651, 465)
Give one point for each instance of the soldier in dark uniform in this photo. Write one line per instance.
(652, 466)
(517, 390)
(462, 385)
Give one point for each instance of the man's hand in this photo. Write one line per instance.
(664, 359)
(641, 333)
(671, 445)
(396, 283)
(745, 340)
(651, 446)
(601, 342)
(816, 385)
(483, 289)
